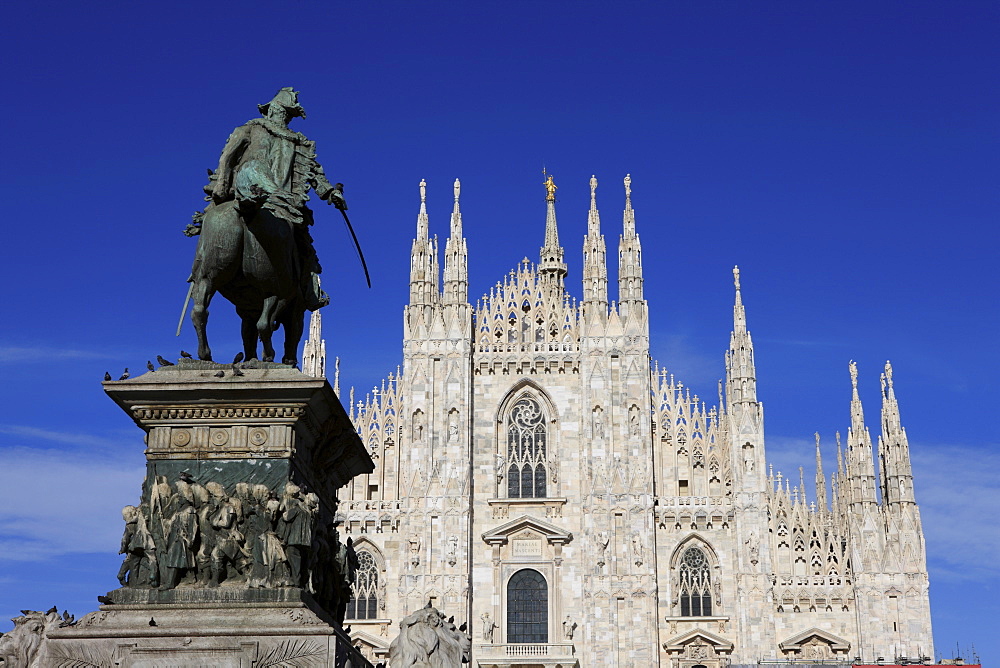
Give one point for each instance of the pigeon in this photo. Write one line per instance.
(54, 609)
(347, 630)
(186, 355)
(124, 375)
(163, 362)
(236, 370)
(107, 376)
(219, 374)
(105, 600)
(464, 626)
(238, 358)
(152, 622)
(149, 365)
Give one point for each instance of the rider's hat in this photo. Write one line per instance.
(288, 98)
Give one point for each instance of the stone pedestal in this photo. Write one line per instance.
(234, 556)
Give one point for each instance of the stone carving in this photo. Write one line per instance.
(452, 549)
(501, 463)
(195, 536)
(569, 627)
(414, 543)
(22, 647)
(633, 420)
(257, 193)
(637, 548)
(602, 539)
(489, 628)
(428, 640)
(598, 423)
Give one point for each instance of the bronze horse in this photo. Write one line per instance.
(256, 266)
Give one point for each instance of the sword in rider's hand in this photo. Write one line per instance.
(338, 194)
(187, 300)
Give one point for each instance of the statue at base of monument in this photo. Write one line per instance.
(23, 647)
(428, 640)
(254, 246)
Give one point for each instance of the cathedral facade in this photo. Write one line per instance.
(540, 476)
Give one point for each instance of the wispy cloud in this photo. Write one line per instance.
(77, 439)
(54, 503)
(695, 368)
(25, 354)
(956, 487)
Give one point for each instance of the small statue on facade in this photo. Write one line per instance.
(489, 628)
(569, 628)
(414, 544)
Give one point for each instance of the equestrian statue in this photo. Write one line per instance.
(254, 246)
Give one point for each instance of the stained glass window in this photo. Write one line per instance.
(527, 608)
(526, 450)
(695, 584)
(364, 597)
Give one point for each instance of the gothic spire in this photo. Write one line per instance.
(860, 466)
(456, 258)
(595, 267)
(551, 265)
(820, 479)
(314, 350)
(629, 257)
(893, 448)
(740, 363)
(423, 258)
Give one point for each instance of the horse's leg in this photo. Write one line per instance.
(292, 321)
(248, 331)
(265, 324)
(201, 295)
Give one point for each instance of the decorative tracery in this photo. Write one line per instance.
(695, 584)
(364, 597)
(526, 446)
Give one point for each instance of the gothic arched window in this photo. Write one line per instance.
(526, 450)
(364, 596)
(695, 584)
(527, 608)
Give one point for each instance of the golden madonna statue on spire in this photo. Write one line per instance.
(550, 187)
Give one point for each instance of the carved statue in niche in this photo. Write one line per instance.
(602, 539)
(452, 549)
(418, 426)
(501, 463)
(414, 544)
(453, 427)
(598, 423)
(554, 468)
(637, 548)
(748, 458)
(633, 420)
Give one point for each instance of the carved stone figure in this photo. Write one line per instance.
(452, 549)
(569, 627)
(254, 246)
(183, 533)
(414, 543)
(489, 628)
(427, 640)
(227, 552)
(23, 647)
(501, 464)
(295, 530)
(637, 548)
(602, 539)
(598, 423)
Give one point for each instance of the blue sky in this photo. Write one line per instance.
(843, 154)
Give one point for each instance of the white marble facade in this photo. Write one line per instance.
(541, 478)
